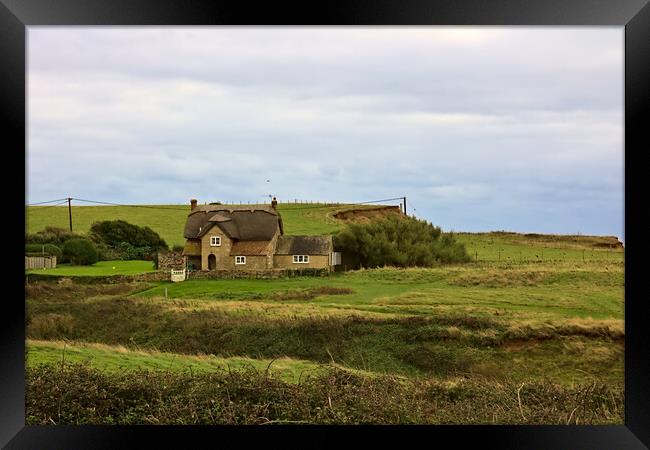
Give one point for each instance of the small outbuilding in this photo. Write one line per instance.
(303, 252)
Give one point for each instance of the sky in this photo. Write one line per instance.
(481, 128)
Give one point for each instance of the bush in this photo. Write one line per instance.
(80, 252)
(77, 394)
(38, 249)
(178, 248)
(127, 252)
(400, 242)
(119, 232)
(52, 235)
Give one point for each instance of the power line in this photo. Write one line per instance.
(179, 208)
(342, 204)
(50, 201)
(41, 208)
(182, 208)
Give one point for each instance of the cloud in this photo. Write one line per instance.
(482, 128)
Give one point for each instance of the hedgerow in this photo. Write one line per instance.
(77, 394)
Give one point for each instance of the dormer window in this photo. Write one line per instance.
(300, 259)
(215, 241)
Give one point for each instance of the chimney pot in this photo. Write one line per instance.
(193, 204)
(274, 203)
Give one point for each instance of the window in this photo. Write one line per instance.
(240, 260)
(300, 259)
(215, 241)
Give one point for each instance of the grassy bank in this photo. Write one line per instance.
(119, 358)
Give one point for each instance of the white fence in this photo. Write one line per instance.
(178, 275)
(40, 262)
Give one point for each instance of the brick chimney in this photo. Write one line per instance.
(274, 203)
(192, 204)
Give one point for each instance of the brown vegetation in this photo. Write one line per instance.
(368, 214)
(76, 394)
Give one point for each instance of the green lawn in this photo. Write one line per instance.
(101, 268)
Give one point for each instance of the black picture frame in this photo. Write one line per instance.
(634, 15)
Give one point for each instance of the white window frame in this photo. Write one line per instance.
(215, 241)
(240, 260)
(301, 259)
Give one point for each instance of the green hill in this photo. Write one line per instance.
(169, 220)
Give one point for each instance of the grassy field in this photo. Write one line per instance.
(531, 331)
(495, 328)
(101, 268)
(521, 322)
(517, 247)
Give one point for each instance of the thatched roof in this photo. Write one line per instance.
(250, 248)
(247, 223)
(304, 245)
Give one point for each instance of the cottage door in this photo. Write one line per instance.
(212, 262)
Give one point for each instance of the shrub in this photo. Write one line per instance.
(400, 242)
(51, 235)
(177, 248)
(39, 249)
(80, 252)
(77, 394)
(117, 232)
(128, 252)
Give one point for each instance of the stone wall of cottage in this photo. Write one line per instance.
(315, 262)
(253, 262)
(270, 258)
(221, 252)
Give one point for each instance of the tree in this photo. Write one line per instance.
(80, 252)
(116, 232)
(397, 241)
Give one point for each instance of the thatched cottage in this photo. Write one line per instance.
(228, 237)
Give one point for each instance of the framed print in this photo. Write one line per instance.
(414, 218)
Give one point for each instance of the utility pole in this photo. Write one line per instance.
(70, 213)
(405, 213)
